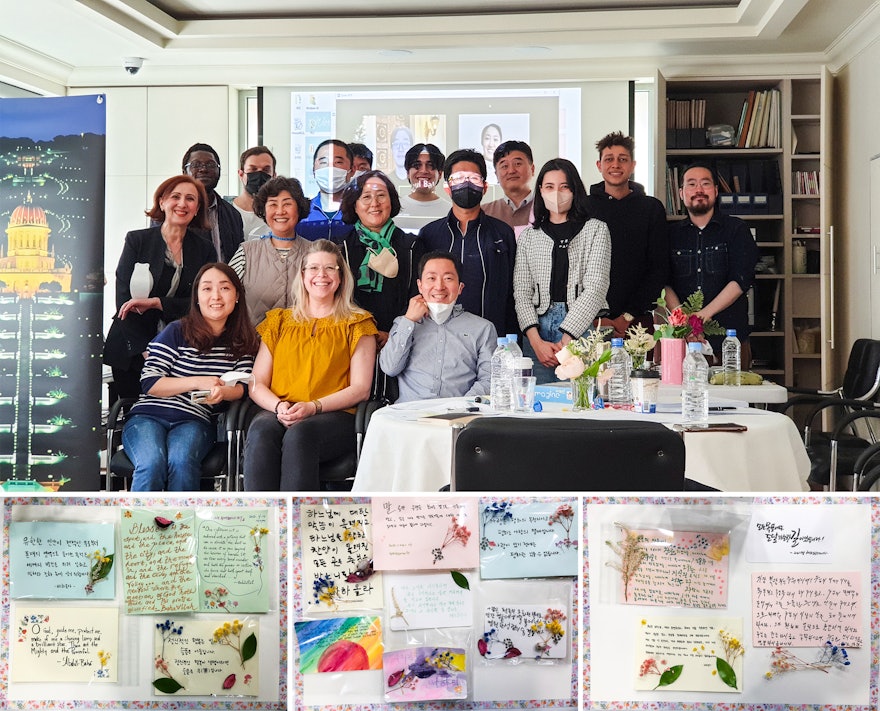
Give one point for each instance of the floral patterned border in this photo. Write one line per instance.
(207, 502)
(296, 607)
(727, 706)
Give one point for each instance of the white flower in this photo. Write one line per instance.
(563, 355)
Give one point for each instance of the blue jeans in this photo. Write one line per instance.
(548, 329)
(166, 456)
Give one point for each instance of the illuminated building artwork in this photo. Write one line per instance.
(51, 292)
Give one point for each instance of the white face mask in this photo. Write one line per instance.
(357, 174)
(331, 180)
(558, 202)
(440, 312)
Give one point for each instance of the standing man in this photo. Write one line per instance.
(424, 163)
(485, 246)
(332, 168)
(713, 252)
(514, 168)
(256, 167)
(639, 235)
(437, 349)
(227, 232)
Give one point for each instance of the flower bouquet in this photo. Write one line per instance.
(683, 322)
(579, 362)
(638, 342)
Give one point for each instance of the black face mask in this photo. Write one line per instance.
(256, 180)
(467, 195)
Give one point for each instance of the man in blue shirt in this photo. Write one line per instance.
(437, 349)
(713, 252)
(332, 168)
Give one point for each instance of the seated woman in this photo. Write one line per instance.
(169, 430)
(382, 257)
(314, 366)
(155, 276)
(268, 265)
(563, 266)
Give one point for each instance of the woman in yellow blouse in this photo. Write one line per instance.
(314, 366)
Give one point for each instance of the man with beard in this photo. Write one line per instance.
(715, 253)
(256, 168)
(485, 246)
(227, 232)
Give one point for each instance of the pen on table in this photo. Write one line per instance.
(721, 409)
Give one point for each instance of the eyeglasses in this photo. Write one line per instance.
(196, 165)
(377, 196)
(459, 178)
(315, 269)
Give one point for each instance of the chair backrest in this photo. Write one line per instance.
(562, 454)
(861, 381)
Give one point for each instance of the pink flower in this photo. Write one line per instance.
(569, 370)
(696, 324)
(677, 317)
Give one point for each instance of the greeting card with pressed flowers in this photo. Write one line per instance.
(196, 657)
(428, 600)
(670, 568)
(64, 644)
(425, 534)
(339, 644)
(235, 550)
(337, 558)
(62, 560)
(689, 653)
(425, 674)
(523, 632)
(528, 540)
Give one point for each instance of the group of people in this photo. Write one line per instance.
(306, 293)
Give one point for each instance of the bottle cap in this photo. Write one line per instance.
(512, 338)
(617, 343)
(695, 346)
(731, 332)
(502, 340)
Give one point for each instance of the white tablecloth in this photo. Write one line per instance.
(402, 454)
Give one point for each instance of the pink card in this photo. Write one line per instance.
(425, 534)
(806, 609)
(672, 568)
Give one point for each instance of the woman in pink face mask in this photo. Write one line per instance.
(563, 262)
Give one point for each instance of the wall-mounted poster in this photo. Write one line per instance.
(51, 291)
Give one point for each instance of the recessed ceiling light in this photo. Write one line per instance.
(394, 52)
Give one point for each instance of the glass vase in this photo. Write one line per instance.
(583, 393)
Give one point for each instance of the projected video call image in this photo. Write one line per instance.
(485, 132)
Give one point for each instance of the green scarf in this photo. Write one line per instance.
(375, 242)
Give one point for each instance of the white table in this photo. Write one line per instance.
(402, 454)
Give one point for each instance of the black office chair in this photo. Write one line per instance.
(561, 454)
(860, 392)
(216, 466)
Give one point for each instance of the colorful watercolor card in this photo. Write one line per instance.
(425, 534)
(338, 558)
(339, 644)
(689, 654)
(425, 674)
(672, 568)
(206, 657)
(158, 550)
(784, 534)
(53, 559)
(806, 609)
(528, 540)
(233, 548)
(64, 644)
(528, 631)
(422, 601)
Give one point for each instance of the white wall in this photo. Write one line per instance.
(148, 130)
(855, 109)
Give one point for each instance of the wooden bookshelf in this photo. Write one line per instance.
(796, 350)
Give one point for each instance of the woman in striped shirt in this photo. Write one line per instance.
(169, 430)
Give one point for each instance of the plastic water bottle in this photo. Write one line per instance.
(513, 345)
(619, 391)
(730, 358)
(695, 388)
(499, 387)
